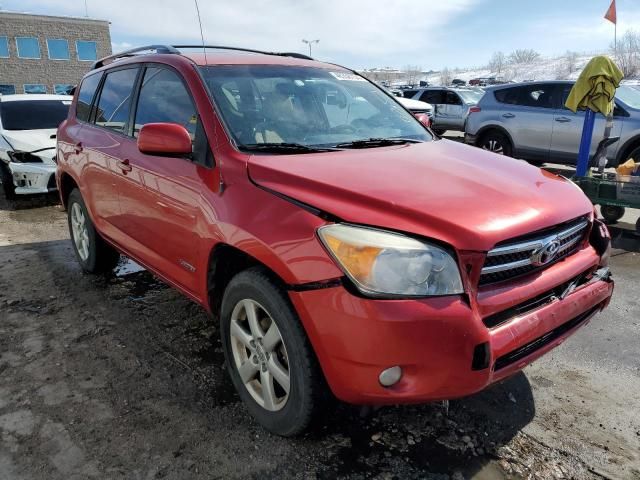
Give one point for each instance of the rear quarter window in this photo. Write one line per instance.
(85, 96)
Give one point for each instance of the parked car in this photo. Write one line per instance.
(450, 105)
(342, 248)
(530, 121)
(456, 82)
(27, 141)
(416, 106)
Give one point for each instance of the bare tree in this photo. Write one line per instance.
(627, 55)
(412, 73)
(497, 62)
(571, 61)
(523, 56)
(445, 76)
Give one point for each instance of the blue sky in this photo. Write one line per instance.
(362, 33)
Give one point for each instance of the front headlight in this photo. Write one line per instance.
(387, 263)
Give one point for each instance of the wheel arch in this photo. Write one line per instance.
(67, 184)
(489, 128)
(627, 148)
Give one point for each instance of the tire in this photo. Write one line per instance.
(611, 213)
(93, 253)
(439, 131)
(285, 414)
(635, 155)
(638, 226)
(496, 142)
(7, 182)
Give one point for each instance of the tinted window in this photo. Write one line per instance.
(451, 98)
(58, 49)
(4, 47)
(540, 96)
(434, 97)
(33, 115)
(409, 93)
(85, 96)
(507, 95)
(164, 98)
(28, 47)
(115, 99)
(86, 50)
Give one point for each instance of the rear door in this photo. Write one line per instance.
(567, 130)
(101, 145)
(160, 196)
(435, 97)
(452, 111)
(527, 113)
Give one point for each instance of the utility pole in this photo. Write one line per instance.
(309, 42)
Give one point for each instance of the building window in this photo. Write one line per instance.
(87, 51)
(58, 49)
(34, 88)
(62, 88)
(7, 89)
(28, 47)
(4, 47)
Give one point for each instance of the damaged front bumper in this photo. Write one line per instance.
(30, 178)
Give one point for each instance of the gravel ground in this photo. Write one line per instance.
(122, 377)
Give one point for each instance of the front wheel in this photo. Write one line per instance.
(496, 142)
(268, 355)
(92, 252)
(611, 213)
(7, 182)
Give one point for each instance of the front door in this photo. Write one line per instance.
(160, 196)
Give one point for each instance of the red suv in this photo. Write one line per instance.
(339, 243)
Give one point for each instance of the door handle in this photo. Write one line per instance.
(508, 115)
(124, 166)
(78, 148)
(563, 119)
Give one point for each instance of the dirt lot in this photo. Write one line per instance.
(121, 377)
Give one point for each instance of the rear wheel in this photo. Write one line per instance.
(496, 142)
(268, 355)
(92, 252)
(611, 213)
(7, 182)
(634, 155)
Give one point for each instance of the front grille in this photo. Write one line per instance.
(514, 258)
(527, 349)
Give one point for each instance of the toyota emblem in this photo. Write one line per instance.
(546, 253)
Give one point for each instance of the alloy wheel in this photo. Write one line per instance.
(80, 231)
(493, 146)
(260, 355)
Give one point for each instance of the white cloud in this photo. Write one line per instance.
(362, 29)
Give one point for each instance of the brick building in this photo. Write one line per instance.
(47, 54)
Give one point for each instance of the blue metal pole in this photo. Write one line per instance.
(585, 143)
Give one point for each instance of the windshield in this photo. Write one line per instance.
(470, 96)
(629, 95)
(313, 107)
(33, 114)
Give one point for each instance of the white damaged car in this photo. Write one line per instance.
(28, 126)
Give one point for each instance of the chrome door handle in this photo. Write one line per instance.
(124, 166)
(508, 115)
(563, 119)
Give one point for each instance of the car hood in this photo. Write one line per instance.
(467, 197)
(29, 140)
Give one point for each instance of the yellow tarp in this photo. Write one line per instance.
(596, 86)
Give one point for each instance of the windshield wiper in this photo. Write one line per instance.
(284, 148)
(377, 142)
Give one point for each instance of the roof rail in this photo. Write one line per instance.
(128, 53)
(250, 50)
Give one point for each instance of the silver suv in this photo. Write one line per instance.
(450, 105)
(530, 121)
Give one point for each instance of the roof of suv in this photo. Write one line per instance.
(520, 84)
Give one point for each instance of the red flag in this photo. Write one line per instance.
(611, 13)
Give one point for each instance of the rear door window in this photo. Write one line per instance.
(452, 98)
(434, 97)
(85, 96)
(540, 95)
(164, 99)
(508, 95)
(114, 104)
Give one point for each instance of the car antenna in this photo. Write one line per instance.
(204, 49)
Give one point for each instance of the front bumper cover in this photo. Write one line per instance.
(31, 178)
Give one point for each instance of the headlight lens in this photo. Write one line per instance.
(386, 263)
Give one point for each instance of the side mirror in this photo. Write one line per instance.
(165, 139)
(423, 118)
